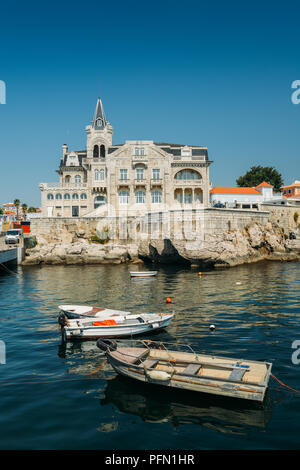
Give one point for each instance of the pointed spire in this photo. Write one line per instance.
(99, 121)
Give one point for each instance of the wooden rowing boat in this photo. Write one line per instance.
(154, 363)
(116, 327)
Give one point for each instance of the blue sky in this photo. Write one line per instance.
(217, 74)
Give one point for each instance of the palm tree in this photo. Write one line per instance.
(24, 210)
(17, 205)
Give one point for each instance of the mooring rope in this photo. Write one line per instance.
(284, 385)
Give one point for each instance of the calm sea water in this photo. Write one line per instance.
(53, 397)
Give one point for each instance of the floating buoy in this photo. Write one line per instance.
(200, 274)
(168, 300)
(212, 327)
(238, 283)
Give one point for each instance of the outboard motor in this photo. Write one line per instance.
(62, 320)
(106, 345)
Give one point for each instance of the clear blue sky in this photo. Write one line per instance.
(216, 74)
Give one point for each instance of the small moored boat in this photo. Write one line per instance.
(143, 273)
(83, 311)
(153, 362)
(116, 327)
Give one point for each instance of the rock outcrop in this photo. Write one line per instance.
(229, 248)
(81, 252)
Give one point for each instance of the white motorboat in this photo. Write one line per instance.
(83, 311)
(153, 362)
(143, 273)
(116, 327)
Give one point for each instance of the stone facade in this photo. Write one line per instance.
(130, 179)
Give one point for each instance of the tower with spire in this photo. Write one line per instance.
(99, 134)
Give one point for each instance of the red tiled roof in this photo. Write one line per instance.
(294, 185)
(264, 184)
(233, 190)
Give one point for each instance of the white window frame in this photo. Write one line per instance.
(140, 197)
(123, 173)
(142, 171)
(155, 173)
(156, 196)
(124, 197)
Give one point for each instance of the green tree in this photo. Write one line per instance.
(17, 205)
(31, 209)
(24, 210)
(258, 174)
(1, 211)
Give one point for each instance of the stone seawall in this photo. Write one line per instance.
(213, 237)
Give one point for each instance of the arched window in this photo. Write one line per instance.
(75, 196)
(140, 197)
(102, 151)
(188, 175)
(96, 175)
(67, 179)
(156, 196)
(124, 197)
(77, 179)
(96, 151)
(67, 196)
(101, 174)
(50, 196)
(83, 196)
(99, 201)
(58, 196)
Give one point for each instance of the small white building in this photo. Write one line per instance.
(241, 197)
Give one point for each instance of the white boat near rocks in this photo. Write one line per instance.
(153, 362)
(143, 273)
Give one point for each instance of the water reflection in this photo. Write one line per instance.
(160, 405)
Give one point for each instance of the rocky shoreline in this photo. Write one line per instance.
(227, 249)
(81, 252)
(231, 248)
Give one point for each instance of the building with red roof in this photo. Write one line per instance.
(292, 190)
(242, 197)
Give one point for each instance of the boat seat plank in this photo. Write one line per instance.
(192, 369)
(130, 355)
(237, 375)
(149, 363)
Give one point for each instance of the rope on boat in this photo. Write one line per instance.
(284, 385)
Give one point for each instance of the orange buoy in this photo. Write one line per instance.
(168, 300)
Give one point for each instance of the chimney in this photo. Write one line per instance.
(65, 149)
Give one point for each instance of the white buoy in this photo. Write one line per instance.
(238, 283)
(212, 327)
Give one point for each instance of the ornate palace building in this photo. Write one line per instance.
(134, 178)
